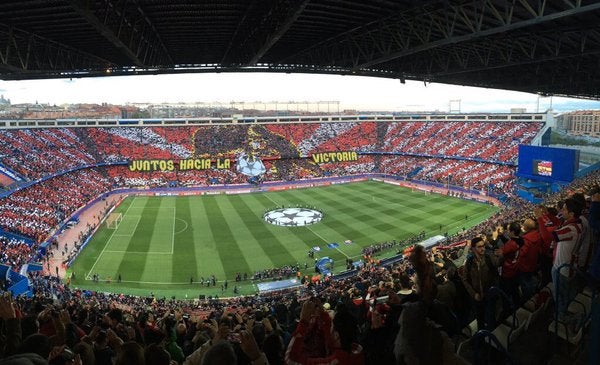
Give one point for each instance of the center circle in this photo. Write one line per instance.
(293, 217)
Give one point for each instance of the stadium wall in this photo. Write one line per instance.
(173, 122)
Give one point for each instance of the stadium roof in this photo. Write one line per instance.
(539, 46)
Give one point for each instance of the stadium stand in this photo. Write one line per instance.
(36, 153)
(37, 210)
(355, 318)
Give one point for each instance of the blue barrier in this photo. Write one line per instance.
(588, 170)
(20, 283)
(16, 236)
(392, 260)
(12, 174)
(345, 274)
(478, 340)
(4, 270)
(20, 288)
(324, 265)
(414, 172)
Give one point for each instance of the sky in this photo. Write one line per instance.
(352, 92)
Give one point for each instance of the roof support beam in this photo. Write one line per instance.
(527, 49)
(279, 30)
(431, 27)
(240, 23)
(479, 33)
(129, 30)
(25, 53)
(266, 28)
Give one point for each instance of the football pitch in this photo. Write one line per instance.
(162, 243)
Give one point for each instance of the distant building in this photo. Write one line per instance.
(580, 123)
(518, 110)
(4, 101)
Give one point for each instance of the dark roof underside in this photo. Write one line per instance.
(539, 46)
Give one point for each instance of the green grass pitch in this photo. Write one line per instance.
(162, 242)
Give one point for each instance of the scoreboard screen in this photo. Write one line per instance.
(548, 164)
(542, 168)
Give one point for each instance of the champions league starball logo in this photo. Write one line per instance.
(293, 217)
(250, 166)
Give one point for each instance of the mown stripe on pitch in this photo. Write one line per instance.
(86, 259)
(231, 256)
(271, 245)
(412, 214)
(383, 221)
(351, 211)
(344, 228)
(400, 194)
(207, 258)
(387, 198)
(373, 217)
(424, 207)
(132, 266)
(366, 202)
(333, 202)
(184, 252)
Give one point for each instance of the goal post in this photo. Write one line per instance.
(113, 220)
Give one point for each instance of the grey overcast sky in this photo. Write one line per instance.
(353, 92)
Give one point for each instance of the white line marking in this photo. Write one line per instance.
(194, 284)
(268, 197)
(144, 208)
(107, 242)
(173, 233)
(186, 225)
(141, 252)
(327, 242)
(139, 218)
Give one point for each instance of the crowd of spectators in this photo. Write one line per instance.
(378, 247)
(284, 272)
(341, 137)
(464, 173)
(355, 320)
(37, 153)
(37, 210)
(484, 140)
(15, 252)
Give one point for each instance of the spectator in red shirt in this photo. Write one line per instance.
(510, 254)
(528, 258)
(339, 337)
(547, 222)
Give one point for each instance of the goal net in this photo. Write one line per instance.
(113, 220)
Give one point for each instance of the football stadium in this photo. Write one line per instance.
(248, 236)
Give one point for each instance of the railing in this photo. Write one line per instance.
(478, 340)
